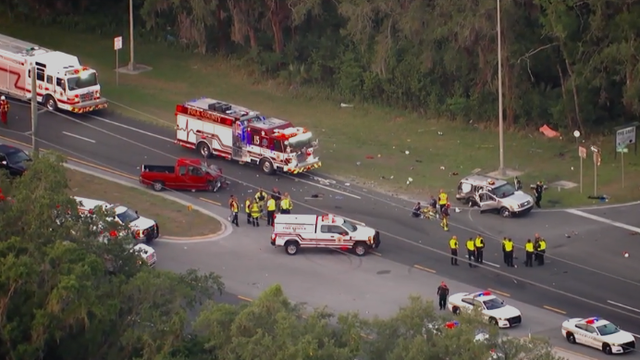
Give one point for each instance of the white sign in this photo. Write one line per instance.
(625, 137)
(117, 43)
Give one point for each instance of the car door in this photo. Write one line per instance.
(487, 201)
(467, 304)
(593, 337)
(180, 180)
(582, 335)
(196, 178)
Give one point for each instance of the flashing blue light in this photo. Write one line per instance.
(484, 293)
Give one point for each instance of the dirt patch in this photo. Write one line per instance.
(174, 218)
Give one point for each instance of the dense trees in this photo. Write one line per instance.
(573, 63)
(58, 301)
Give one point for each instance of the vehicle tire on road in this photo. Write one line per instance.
(606, 348)
(267, 166)
(291, 247)
(455, 310)
(204, 149)
(157, 186)
(505, 212)
(571, 339)
(360, 248)
(50, 103)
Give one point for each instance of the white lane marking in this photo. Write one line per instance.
(43, 110)
(79, 137)
(131, 128)
(623, 306)
(490, 263)
(28, 133)
(323, 187)
(603, 220)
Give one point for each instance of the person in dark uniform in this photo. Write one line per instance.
(453, 246)
(517, 183)
(416, 210)
(541, 249)
(508, 249)
(479, 242)
(529, 250)
(443, 293)
(277, 196)
(445, 218)
(471, 251)
(535, 249)
(539, 189)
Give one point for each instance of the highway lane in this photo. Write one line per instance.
(125, 148)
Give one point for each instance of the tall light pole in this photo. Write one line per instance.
(501, 169)
(132, 63)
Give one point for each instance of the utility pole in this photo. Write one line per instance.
(501, 169)
(132, 64)
(34, 111)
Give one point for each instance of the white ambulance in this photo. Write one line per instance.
(61, 81)
(322, 231)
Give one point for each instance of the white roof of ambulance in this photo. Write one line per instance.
(55, 60)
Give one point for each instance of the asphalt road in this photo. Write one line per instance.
(586, 274)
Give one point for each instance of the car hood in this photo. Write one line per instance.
(364, 231)
(520, 197)
(618, 338)
(504, 312)
(144, 251)
(141, 223)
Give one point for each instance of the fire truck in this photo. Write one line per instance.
(62, 83)
(232, 132)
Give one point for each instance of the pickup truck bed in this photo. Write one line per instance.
(159, 168)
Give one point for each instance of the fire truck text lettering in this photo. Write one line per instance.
(293, 228)
(206, 115)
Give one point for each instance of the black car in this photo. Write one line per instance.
(13, 160)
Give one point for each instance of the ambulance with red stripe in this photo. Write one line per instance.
(322, 231)
(61, 81)
(232, 132)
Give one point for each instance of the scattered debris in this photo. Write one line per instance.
(347, 184)
(568, 236)
(409, 181)
(455, 173)
(343, 105)
(476, 170)
(625, 254)
(370, 157)
(419, 161)
(406, 152)
(358, 163)
(441, 167)
(458, 210)
(440, 133)
(634, 233)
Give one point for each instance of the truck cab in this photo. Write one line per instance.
(185, 174)
(493, 195)
(322, 231)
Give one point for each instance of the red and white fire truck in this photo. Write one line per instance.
(322, 231)
(232, 132)
(62, 83)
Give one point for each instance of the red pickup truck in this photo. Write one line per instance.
(186, 174)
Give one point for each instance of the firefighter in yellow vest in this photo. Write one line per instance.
(261, 197)
(247, 209)
(271, 210)
(4, 109)
(285, 204)
(479, 249)
(471, 251)
(453, 246)
(255, 213)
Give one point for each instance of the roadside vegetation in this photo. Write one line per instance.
(58, 301)
(422, 78)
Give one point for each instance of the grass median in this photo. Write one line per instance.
(174, 218)
(378, 147)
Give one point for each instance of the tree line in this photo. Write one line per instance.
(570, 63)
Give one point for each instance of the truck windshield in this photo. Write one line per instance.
(349, 226)
(85, 80)
(128, 216)
(504, 191)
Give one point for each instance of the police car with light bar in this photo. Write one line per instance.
(492, 307)
(598, 333)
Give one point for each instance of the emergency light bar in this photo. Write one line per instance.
(592, 321)
(484, 293)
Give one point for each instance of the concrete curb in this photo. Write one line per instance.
(226, 226)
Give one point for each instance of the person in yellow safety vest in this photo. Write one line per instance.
(443, 200)
(247, 209)
(234, 211)
(504, 251)
(261, 197)
(271, 210)
(471, 251)
(453, 246)
(479, 249)
(508, 250)
(529, 250)
(285, 204)
(541, 249)
(255, 213)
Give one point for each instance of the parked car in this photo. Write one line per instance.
(186, 174)
(14, 160)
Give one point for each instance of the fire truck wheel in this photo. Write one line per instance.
(158, 186)
(204, 149)
(267, 166)
(360, 248)
(291, 247)
(50, 103)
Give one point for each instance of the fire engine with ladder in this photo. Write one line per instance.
(62, 83)
(232, 132)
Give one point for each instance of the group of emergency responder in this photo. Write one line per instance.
(262, 205)
(437, 208)
(534, 251)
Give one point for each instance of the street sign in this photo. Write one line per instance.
(597, 159)
(117, 44)
(625, 136)
(623, 150)
(582, 152)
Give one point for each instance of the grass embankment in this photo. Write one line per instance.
(364, 143)
(174, 218)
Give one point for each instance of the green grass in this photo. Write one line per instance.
(348, 136)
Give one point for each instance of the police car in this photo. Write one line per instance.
(493, 308)
(598, 333)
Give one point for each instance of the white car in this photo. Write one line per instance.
(147, 253)
(492, 307)
(598, 333)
